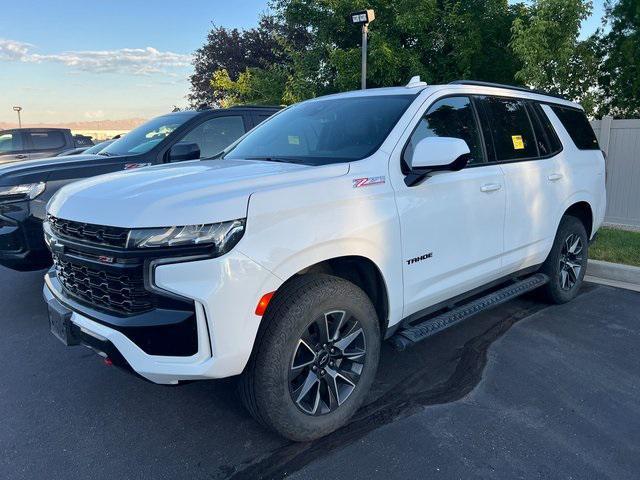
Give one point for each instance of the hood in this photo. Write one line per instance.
(180, 194)
(14, 173)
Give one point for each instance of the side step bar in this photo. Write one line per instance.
(406, 337)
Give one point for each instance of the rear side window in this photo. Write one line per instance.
(261, 118)
(46, 140)
(510, 128)
(552, 136)
(10, 142)
(546, 138)
(579, 129)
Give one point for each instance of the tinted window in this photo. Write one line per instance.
(325, 131)
(449, 117)
(261, 118)
(576, 123)
(215, 135)
(10, 142)
(147, 135)
(550, 132)
(46, 140)
(541, 137)
(510, 128)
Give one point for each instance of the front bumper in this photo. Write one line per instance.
(225, 292)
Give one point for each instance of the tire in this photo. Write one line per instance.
(566, 268)
(289, 357)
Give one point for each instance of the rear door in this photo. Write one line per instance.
(12, 147)
(516, 141)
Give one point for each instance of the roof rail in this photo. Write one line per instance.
(256, 106)
(503, 85)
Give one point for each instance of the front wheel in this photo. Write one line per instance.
(567, 262)
(315, 360)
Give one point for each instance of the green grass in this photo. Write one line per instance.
(617, 246)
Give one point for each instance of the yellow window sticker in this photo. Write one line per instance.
(294, 140)
(518, 143)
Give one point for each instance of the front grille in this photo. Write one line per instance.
(105, 287)
(87, 232)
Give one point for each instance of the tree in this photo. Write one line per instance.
(620, 73)
(234, 51)
(546, 40)
(441, 40)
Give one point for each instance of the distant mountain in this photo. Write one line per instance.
(125, 124)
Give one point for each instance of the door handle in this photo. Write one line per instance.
(490, 187)
(21, 156)
(554, 177)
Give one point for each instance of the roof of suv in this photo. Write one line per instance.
(464, 86)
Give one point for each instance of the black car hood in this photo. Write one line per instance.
(40, 170)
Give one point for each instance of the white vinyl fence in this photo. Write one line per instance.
(620, 140)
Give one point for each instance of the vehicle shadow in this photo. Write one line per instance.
(439, 370)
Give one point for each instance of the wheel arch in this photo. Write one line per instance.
(583, 211)
(362, 272)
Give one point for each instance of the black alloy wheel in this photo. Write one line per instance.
(327, 363)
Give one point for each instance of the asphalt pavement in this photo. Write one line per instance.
(527, 390)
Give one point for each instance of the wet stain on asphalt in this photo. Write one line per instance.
(416, 389)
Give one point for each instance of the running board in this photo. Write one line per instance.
(406, 337)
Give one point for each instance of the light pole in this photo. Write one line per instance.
(18, 109)
(363, 18)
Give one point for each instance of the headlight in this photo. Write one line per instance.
(28, 191)
(221, 236)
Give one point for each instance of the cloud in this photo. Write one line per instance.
(13, 50)
(134, 61)
(94, 115)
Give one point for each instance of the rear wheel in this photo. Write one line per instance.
(315, 359)
(567, 262)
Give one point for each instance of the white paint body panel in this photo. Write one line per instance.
(298, 216)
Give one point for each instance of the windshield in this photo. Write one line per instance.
(324, 131)
(98, 146)
(147, 135)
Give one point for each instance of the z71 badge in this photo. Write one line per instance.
(368, 181)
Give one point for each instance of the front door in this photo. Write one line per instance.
(452, 223)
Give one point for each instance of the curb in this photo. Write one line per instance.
(614, 271)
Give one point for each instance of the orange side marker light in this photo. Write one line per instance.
(264, 303)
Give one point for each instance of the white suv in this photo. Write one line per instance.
(341, 221)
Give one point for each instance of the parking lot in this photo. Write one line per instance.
(525, 391)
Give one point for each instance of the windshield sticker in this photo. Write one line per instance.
(294, 140)
(518, 143)
(368, 181)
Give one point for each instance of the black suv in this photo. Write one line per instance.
(26, 187)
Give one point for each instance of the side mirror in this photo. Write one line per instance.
(181, 152)
(437, 154)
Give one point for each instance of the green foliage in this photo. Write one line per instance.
(253, 86)
(617, 246)
(546, 40)
(620, 72)
(308, 48)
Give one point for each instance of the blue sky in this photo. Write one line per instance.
(72, 60)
